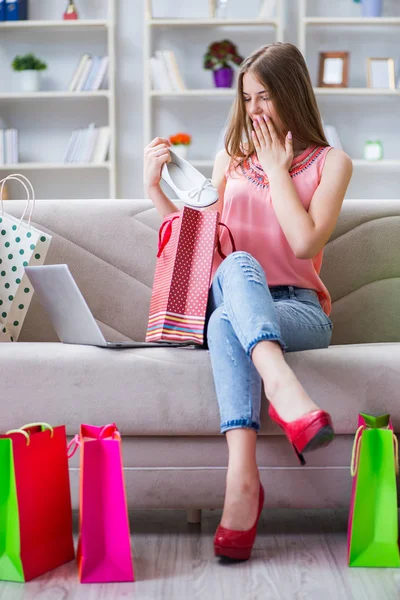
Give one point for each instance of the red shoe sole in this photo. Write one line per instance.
(233, 553)
(317, 435)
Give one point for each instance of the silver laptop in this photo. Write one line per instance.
(71, 317)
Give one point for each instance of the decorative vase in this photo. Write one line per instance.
(223, 77)
(29, 80)
(71, 14)
(181, 150)
(371, 8)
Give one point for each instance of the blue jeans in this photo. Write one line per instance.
(242, 311)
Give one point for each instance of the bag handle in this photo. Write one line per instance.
(25, 433)
(355, 454)
(103, 433)
(75, 440)
(222, 255)
(29, 192)
(167, 226)
(115, 433)
(163, 241)
(41, 424)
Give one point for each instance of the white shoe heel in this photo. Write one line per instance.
(189, 184)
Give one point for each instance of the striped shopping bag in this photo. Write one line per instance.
(187, 242)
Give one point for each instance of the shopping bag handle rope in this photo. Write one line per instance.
(115, 431)
(18, 177)
(396, 453)
(355, 454)
(25, 433)
(163, 241)
(45, 425)
(75, 440)
(222, 255)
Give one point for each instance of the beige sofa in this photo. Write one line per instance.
(163, 400)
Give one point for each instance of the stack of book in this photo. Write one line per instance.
(89, 145)
(90, 74)
(165, 75)
(8, 146)
(13, 10)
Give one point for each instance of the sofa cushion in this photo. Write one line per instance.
(169, 391)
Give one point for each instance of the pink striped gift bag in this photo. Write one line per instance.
(187, 242)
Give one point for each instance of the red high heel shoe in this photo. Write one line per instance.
(237, 544)
(309, 432)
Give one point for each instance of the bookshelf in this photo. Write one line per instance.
(67, 110)
(174, 34)
(362, 36)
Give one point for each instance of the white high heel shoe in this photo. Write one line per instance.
(188, 183)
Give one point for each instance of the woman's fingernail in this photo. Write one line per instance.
(289, 135)
(266, 117)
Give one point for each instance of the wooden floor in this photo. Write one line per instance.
(298, 555)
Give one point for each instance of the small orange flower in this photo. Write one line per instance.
(180, 138)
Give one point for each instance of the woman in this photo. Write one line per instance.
(281, 188)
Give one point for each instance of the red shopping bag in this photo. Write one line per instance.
(187, 242)
(35, 502)
(104, 547)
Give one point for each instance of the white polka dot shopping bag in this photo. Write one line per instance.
(187, 242)
(21, 245)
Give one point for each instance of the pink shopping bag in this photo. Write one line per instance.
(187, 242)
(104, 550)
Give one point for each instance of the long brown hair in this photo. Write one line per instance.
(281, 68)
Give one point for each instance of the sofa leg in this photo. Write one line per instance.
(193, 515)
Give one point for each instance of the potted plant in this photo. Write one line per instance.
(28, 67)
(218, 59)
(180, 143)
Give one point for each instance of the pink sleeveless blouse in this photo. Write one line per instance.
(249, 214)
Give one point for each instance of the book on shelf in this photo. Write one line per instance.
(164, 71)
(16, 10)
(90, 74)
(90, 145)
(9, 147)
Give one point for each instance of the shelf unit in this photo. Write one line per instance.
(305, 22)
(37, 166)
(85, 25)
(318, 91)
(56, 24)
(151, 24)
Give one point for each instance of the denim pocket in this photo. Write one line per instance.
(310, 298)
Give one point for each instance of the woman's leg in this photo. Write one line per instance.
(238, 387)
(245, 319)
(281, 386)
(241, 286)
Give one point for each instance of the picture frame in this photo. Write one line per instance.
(333, 69)
(381, 73)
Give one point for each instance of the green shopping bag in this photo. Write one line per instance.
(372, 537)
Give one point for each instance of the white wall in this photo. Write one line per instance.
(46, 126)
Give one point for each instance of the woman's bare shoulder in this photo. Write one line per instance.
(337, 159)
(221, 163)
